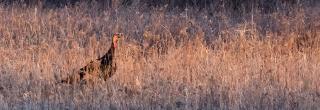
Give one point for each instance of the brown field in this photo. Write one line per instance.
(166, 60)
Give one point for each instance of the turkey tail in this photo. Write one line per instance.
(66, 80)
(70, 79)
(58, 79)
(63, 81)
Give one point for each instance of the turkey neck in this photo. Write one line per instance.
(113, 48)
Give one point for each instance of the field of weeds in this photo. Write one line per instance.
(169, 59)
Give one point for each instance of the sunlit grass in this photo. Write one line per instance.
(165, 63)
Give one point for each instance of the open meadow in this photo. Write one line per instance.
(171, 57)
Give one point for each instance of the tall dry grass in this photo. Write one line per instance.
(166, 61)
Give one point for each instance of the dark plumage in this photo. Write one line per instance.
(101, 68)
(107, 65)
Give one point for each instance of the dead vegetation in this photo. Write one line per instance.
(176, 62)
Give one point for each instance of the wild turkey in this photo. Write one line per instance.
(107, 65)
(101, 68)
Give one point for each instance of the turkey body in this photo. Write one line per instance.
(102, 68)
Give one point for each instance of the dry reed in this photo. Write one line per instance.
(164, 62)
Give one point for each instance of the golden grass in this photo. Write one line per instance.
(239, 70)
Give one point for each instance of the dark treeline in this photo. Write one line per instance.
(265, 6)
